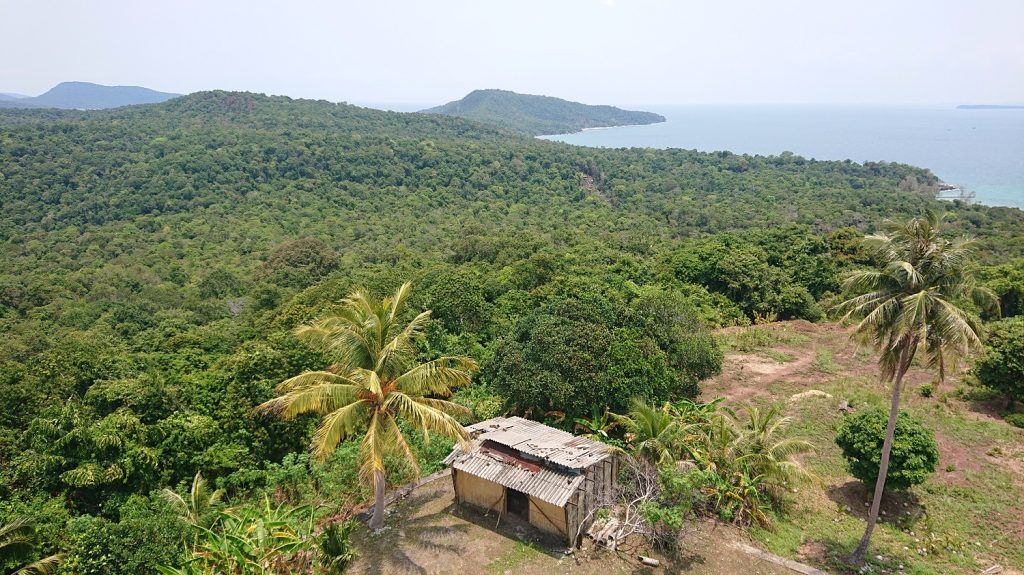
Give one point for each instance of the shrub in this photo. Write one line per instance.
(1015, 419)
(1002, 366)
(914, 451)
(926, 390)
(149, 534)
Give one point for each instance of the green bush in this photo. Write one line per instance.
(914, 451)
(926, 390)
(1002, 366)
(1015, 419)
(149, 533)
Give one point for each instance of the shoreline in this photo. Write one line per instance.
(595, 128)
(1004, 191)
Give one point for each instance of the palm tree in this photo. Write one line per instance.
(18, 542)
(912, 302)
(374, 382)
(650, 431)
(200, 500)
(762, 445)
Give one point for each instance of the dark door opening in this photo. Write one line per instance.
(517, 503)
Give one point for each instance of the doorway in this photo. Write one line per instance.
(517, 503)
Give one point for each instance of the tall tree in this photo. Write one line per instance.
(373, 382)
(913, 302)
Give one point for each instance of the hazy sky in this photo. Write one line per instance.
(596, 51)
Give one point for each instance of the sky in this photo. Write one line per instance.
(594, 51)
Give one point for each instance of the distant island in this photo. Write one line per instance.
(990, 107)
(539, 115)
(87, 96)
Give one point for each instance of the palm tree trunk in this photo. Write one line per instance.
(883, 469)
(377, 521)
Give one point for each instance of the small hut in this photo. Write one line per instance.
(548, 477)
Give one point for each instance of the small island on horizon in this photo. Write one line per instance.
(990, 107)
(539, 115)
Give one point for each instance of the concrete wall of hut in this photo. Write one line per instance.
(547, 517)
(479, 492)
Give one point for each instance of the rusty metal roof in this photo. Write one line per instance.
(551, 445)
(562, 457)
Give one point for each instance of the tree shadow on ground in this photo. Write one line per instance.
(901, 508)
(510, 527)
(410, 527)
(836, 554)
(406, 527)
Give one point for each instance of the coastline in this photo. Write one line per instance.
(977, 151)
(595, 129)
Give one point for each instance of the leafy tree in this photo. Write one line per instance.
(1007, 281)
(913, 457)
(68, 448)
(671, 319)
(913, 302)
(149, 533)
(1002, 366)
(374, 382)
(588, 348)
(299, 263)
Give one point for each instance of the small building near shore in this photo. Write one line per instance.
(550, 478)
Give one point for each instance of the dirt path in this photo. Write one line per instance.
(428, 533)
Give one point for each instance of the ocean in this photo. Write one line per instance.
(980, 150)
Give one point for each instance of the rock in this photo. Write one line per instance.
(686, 466)
(810, 393)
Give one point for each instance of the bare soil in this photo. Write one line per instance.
(427, 533)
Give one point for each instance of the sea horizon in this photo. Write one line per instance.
(980, 150)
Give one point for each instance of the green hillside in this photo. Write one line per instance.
(154, 261)
(539, 115)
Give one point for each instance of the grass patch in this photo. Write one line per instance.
(824, 362)
(787, 336)
(746, 339)
(959, 525)
(521, 552)
(780, 356)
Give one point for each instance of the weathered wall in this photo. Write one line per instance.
(484, 494)
(547, 517)
(596, 491)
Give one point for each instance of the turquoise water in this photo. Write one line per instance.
(982, 150)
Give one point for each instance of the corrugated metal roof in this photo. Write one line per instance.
(563, 455)
(554, 487)
(547, 443)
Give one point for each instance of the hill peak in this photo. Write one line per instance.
(90, 96)
(539, 115)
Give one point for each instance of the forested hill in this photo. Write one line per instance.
(89, 96)
(539, 115)
(154, 261)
